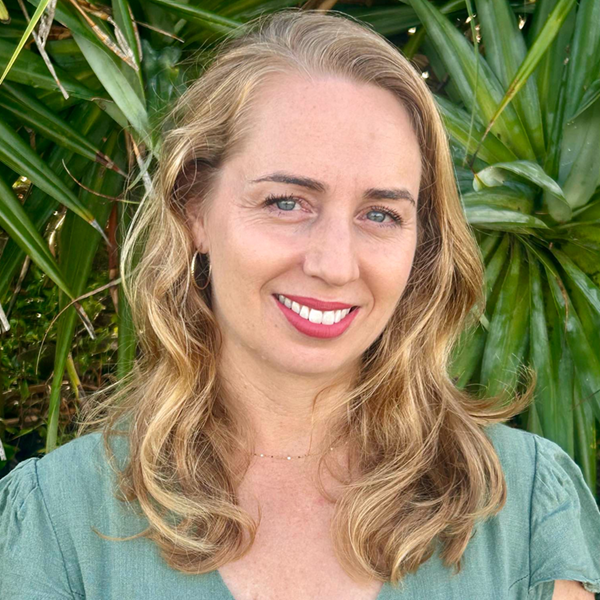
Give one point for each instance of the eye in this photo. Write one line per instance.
(382, 212)
(286, 202)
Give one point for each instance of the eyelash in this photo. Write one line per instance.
(398, 220)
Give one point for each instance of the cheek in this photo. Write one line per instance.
(389, 272)
(253, 253)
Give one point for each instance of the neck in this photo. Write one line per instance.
(286, 413)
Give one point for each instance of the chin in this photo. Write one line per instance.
(308, 365)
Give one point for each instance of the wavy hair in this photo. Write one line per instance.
(425, 469)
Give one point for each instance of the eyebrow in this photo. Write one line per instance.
(318, 186)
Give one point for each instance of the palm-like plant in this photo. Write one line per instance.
(525, 127)
(94, 86)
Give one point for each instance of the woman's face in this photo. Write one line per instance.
(319, 206)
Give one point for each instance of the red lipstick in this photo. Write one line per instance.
(317, 330)
(318, 304)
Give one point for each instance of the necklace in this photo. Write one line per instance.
(288, 456)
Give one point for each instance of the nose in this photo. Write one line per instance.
(331, 253)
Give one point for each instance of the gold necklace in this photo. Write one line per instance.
(288, 456)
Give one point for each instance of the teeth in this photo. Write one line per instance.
(315, 316)
(328, 317)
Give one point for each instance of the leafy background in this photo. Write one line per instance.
(85, 85)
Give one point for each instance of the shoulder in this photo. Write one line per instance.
(537, 467)
(77, 461)
(517, 452)
(79, 474)
(71, 460)
(61, 474)
(510, 443)
(528, 456)
(69, 480)
(549, 497)
(42, 503)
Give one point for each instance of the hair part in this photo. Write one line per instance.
(426, 470)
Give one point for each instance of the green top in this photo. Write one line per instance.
(549, 529)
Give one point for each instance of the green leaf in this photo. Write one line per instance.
(585, 359)
(539, 47)
(88, 120)
(500, 197)
(122, 16)
(17, 224)
(164, 80)
(505, 51)
(580, 146)
(508, 334)
(394, 20)
(585, 427)
(4, 15)
(554, 126)
(466, 356)
(15, 153)
(580, 279)
(78, 249)
(456, 120)
(117, 85)
(500, 218)
(587, 236)
(29, 69)
(540, 354)
(583, 55)
(489, 243)
(552, 67)
(32, 112)
(560, 418)
(493, 176)
(207, 19)
(30, 27)
(591, 95)
(494, 268)
(481, 91)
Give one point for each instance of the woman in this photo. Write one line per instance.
(290, 430)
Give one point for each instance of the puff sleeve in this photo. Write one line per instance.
(31, 562)
(564, 524)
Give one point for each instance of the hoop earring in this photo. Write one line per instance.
(193, 272)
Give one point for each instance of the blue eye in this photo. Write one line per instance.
(286, 203)
(379, 212)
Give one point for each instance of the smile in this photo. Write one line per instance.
(313, 322)
(328, 317)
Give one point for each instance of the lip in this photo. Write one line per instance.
(317, 304)
(316, 330)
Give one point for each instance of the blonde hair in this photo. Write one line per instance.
(426, 469)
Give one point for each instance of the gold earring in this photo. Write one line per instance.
(193, 272)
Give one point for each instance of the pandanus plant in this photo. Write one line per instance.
(524, 121)
(81, 101)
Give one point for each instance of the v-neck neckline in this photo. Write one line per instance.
(384, 592)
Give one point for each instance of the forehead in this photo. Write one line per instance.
(330, 124)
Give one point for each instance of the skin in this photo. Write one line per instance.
(565, 589)
(329, 245)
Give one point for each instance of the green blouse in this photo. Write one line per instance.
(549, 529)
